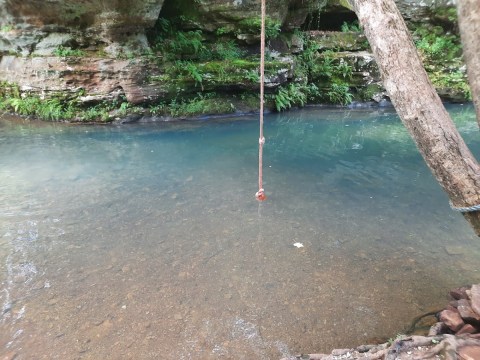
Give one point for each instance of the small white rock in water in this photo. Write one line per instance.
(298, 245)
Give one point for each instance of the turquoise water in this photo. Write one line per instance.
(145, 241)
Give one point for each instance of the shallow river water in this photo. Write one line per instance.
(146, 242)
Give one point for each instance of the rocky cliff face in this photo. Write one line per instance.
(37, 26)
(213, 14)
(157, 50)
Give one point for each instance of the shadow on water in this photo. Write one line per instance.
(146, 242)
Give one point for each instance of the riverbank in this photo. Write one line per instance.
(185, 73)
(455, 335)
(145, 116)
(142, 115)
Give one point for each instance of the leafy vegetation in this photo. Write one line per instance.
(189, 70)
(444, 16)
(294, 95)
(329, 65)
(453, 79)
(192, 57)
(195, 60)
(201, 104)
(6, 28)
(252, 76)
(298, 95)
(223, 31)
(95, 113)
(68, 51)
(327, 71)
(228, 50)
(49, 109)
(339, 93)
(8, 90)
(441, 52)
(307, 60)
(187, 43)
(343, 69)
(240, 73)
(175, 44)
(351, 27)
(59, 107)
(436, 46)
(253, 26)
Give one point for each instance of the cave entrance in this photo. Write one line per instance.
(330, 18)
(172, 9)
(174, 13)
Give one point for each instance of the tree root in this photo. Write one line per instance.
(445, 347)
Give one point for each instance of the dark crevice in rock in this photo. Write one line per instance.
(329, 21)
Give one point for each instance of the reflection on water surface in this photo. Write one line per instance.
(146, 242)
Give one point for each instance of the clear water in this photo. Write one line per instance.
(146, 242)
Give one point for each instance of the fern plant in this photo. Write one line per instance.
(351, 27)
(63, 51)
(294, 95)
(191, 70)
(339, 93)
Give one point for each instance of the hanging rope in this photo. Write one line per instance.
(260, 195)
(465, 209)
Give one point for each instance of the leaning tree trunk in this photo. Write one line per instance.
(418, 104)
(469, 23)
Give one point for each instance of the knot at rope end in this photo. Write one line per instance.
(260, 195)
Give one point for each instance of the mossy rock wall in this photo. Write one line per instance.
(211, 15)
(112, 26)
(115, 49)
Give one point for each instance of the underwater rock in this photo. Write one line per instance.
(10, 355)
(459, 293)
(454, 250)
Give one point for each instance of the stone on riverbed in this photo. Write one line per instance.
(452, 319)
(475, 298)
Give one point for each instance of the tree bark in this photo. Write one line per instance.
(419, 106)
(469, 24)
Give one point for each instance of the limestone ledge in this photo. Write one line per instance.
(96, 78)
(142, 81)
